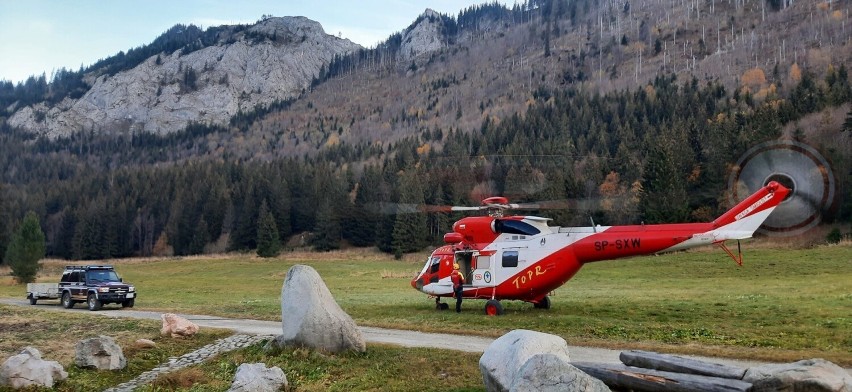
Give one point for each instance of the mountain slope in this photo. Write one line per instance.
(449, 73)
(273, 60)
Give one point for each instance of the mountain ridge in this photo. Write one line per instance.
(457, 72)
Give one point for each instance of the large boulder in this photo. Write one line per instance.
(256, 377)
(177, 327)
(311, 318)
(28, 369)
(808, 375)
(550, 373)
(502, 360)
(100, 353)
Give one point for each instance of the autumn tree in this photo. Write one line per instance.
(25, 249)
(618, 203)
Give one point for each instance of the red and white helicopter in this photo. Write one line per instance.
(522, 258)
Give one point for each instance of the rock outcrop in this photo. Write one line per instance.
(503, 359)
(177, 327)
(807, 375)
(256, 377)
(100, 353)
(311, 318)
(423, 36)
(272, 60)
(28, 369)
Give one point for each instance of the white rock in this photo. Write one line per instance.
(502, 360)
(28, 369)
(550, 373)
(311, 318)
(256, 377)
(101, 353)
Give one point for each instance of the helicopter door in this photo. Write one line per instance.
(482, 271)
(465, 262)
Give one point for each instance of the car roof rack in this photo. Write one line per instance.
(88, 267)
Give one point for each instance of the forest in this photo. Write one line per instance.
(660, 153)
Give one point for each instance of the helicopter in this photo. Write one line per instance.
(522, 258)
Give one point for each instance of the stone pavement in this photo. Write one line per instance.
(230, 343)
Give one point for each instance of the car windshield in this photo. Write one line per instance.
(103, 276)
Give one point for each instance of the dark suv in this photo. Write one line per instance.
(96, 285)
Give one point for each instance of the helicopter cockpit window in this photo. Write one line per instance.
(511, 226)
(436, 262)
(510, 258)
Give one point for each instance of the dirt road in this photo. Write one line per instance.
(372, 335)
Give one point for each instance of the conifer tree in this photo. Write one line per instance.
(4, 225)
(200, 238)
(360, 227)
(268, 243)
(327, 231)
(663, 198)
(26, 249)
(410, 231)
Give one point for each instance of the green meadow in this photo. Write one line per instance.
(782, 304)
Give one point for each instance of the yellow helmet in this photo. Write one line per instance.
(455, 265)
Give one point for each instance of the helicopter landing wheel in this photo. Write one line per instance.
(493, 308)
(543, 304)
(441, 305)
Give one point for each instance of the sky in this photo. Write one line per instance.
(40, 36)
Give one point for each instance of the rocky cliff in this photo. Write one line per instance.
(423, 36)
(275, 59)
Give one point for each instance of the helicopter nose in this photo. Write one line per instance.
(417, 283)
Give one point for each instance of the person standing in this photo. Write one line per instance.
(458, 280)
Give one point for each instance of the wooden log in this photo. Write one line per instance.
(622, 377)
(676, 364)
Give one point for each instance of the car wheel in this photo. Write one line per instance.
(67, 303)
(128, 303)
(93, 302)
(33, 300)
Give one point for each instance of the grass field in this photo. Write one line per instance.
(55, 335)
(782, 305)
(381, 367)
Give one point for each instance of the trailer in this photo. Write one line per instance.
(37, 291)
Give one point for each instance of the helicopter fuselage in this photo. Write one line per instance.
(523, 258)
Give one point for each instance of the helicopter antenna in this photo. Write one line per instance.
(593, 224)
